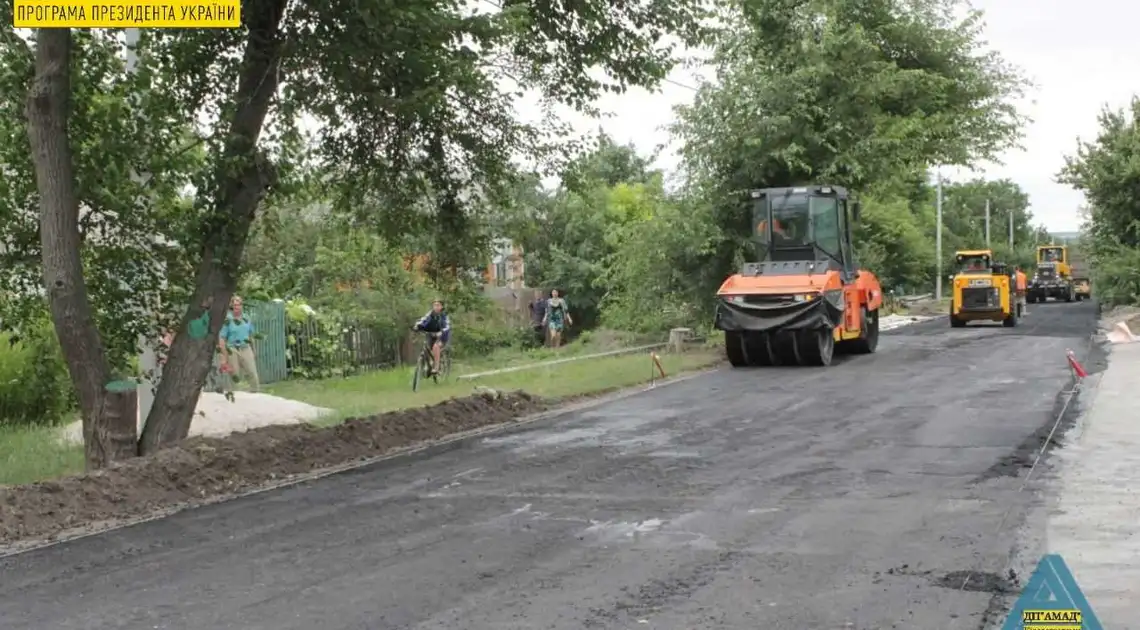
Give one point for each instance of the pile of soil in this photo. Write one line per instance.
(203, 469)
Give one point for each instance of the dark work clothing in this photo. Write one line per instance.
(537, 311)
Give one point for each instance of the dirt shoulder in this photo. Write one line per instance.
(205, 469)
(928, 307)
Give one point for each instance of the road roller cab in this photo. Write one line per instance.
(805, 298)
(981, 290)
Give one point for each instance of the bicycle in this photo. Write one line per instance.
(423, 364)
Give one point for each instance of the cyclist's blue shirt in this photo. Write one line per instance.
(434, 322)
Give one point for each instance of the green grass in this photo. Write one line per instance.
(30, 454)
(391, 390)
(37, 453)
(591, 342)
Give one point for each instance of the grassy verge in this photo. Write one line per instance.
(390, 390)
(30, 454)
(590, 342)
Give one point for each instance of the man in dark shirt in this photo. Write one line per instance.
(538, 315)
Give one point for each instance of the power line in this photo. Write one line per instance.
(680, 85)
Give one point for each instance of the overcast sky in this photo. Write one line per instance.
(1080, 55)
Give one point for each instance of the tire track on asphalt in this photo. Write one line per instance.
(804, 481)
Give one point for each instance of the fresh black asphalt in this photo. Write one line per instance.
(777, 498)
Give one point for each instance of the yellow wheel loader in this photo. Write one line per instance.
(1062, 274)
(982, 290)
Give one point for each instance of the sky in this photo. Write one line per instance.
(1079, 55)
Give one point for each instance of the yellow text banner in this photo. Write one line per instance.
(127, 14)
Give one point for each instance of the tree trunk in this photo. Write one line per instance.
(48, 110)
(407, 349)
(116, 437)
(243, 177)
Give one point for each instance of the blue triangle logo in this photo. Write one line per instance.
(1052, 588)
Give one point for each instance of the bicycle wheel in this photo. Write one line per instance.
(421, 369)
(444, 367)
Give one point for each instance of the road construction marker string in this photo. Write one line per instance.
(1077, 382)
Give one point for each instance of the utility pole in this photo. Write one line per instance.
(148, 357)
(938, 236)
(1011, 230)
(987, 223)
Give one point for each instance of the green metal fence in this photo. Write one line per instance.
(302, 349)
(270, 345)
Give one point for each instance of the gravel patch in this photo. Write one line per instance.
(890, 322)
(218, 417)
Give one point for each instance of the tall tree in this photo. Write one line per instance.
(409, 102)
(110, 112)
(865, 95)
(1107, 171)
(570, 252)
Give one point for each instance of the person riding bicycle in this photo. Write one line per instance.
(438, 326)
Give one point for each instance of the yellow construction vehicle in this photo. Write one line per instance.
(1061, 275)
(1078, 271)
(981, 290)
(1053, 277)
(1082, 288)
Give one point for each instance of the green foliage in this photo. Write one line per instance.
(478, 332)
(584, 222)
(1107, 171)
(841, 92)
(1116, 273)
(316, 346)
(830, 92)
(298, 310)
(891, 242)
(35, 387)
(117, 127)
(336, 277)
(416, 134)
(649, 274)
(341, 276)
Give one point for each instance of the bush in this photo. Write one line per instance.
(481, 327)
(35, 387)
(475, 341)
(1116, 275)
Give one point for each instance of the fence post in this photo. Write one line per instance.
(677, 339)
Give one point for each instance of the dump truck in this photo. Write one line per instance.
(982, 290)
(1054, 275)
(1079, 268)
(804, 298)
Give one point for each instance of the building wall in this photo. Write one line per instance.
(507, 267)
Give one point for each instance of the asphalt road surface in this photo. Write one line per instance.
(791, 498)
